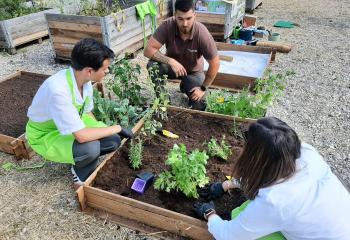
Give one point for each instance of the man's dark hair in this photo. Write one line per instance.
(184, 5)
(89, 52)
(269, 155)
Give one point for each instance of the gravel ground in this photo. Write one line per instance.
(41, 204)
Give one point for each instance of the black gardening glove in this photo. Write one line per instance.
(212, 191)
(203, 210)
(126, 133)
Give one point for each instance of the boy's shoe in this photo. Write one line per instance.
(76, 179)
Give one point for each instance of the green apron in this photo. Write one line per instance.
(46, 140)
(273, 236)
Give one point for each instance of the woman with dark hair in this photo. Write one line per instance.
(61, 126)
(292, 193)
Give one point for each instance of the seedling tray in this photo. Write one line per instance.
(107, 191)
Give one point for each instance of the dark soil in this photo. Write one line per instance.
(117, 176)
(16, 96)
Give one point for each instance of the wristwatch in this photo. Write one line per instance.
(209, 212)
(203, 88)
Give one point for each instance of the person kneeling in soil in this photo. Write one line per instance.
(292, 192)
(61, 126)
(187, 42)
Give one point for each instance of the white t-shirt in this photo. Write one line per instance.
(53, 101)
(313, 204)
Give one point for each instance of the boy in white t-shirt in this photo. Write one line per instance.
(292, 193)
(61, 126)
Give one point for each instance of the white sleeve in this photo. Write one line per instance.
(64, 114)
(257, 220)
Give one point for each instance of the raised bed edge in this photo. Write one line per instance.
(91, 198)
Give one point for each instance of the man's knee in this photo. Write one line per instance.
(85, 153)
(110, 143)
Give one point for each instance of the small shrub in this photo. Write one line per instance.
(187, 172)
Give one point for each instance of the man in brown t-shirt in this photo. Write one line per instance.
(187, 42)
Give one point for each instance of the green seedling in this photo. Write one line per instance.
(187, 172)
(221, 150)
(135, 153)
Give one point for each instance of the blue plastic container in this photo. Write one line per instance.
(139, 185)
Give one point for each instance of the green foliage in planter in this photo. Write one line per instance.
(187, 172)
(135, 152)
(245, 104)
(125, 81)
(16, 8)
(99, 8)
(115, 111)
(221, 150)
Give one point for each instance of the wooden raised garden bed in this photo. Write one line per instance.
(17, 92)
(20, 30)
(107, 192)
(66, 30)
(237, 81)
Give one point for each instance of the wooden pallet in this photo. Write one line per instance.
(20, 30)
(144, 217)
(66, 30)
(236, 83)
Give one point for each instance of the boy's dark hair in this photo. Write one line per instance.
(89, 52)
(184, 5)
(269, 155)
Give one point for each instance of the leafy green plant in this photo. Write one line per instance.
(125, 81)
(115, 111)
(99, 7)
(135, 152)
(187, 172)
(245, 104)
(221, 150)
(16, 8)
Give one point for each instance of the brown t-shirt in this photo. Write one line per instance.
(190, 52)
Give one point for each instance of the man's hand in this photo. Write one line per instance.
(177, 67)
(126, 133)
(212, 191)
(204, 210)
(197, 94)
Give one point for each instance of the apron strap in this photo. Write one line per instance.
(80, 108)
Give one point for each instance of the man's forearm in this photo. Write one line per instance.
(160, 57)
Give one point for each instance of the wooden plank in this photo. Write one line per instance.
(13, 75)
(5, 143)
(211, 18)
(33, 74)
(213, 115)
(79, 27)
(77, 19)
(234, 81)
(28, 38)
(73, 34)
(147, 213)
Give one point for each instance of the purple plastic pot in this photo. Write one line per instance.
(139, 185)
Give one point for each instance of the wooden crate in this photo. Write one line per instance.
(19, 146)
(20, 30)
(221, 25)
(233, 82)
(139, 215)
(66, 30)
